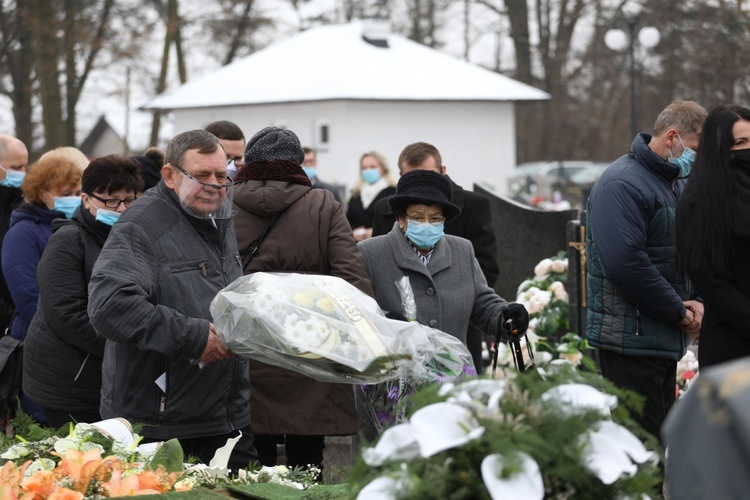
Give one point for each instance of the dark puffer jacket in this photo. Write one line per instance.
(62, 352)
(635, 298)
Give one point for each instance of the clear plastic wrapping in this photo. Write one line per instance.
(325, 328)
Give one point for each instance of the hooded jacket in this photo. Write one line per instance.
(635, 298)
(62, 352)
(311, 236)
(149, 296)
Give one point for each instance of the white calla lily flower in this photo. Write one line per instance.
(526, 484)
(442, 426)
(605, 457)
(486, 392)
(392, 487)
(397, 443)
(627, 441)
(572, 399)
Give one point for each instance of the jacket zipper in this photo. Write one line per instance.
(638, 330)
(80, 370)
(204, 271)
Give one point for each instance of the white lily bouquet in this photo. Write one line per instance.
(327, 329)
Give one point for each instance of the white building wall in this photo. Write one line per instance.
(476, 139)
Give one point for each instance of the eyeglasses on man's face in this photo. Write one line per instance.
(114, 203)
(221, 177)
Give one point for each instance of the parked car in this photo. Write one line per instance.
(536, 182)
(582, 182)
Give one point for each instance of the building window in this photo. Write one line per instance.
(322, 134)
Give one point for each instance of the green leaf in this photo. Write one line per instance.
(169, 455)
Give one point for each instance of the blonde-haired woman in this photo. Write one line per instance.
(375, 183)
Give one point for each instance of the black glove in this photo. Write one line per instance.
(395, 315)
(518, 314)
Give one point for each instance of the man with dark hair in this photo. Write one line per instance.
(474, 224)
(169, 254)
(233, 140)
(640, 311)
(310, 166)
(13, 159)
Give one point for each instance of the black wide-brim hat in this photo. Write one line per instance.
(424, 186)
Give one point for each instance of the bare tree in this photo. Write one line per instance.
(16, 58)
(68, 36)
(171, 37)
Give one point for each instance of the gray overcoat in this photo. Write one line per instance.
(450, 292)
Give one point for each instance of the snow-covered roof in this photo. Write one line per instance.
(335, 62)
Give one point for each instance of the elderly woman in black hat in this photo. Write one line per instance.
(448, 286)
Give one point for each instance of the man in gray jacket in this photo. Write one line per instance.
(164, 261)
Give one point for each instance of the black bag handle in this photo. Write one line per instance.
(256, 244)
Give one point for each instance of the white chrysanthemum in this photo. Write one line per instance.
(264, 303)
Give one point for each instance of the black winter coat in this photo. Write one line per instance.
(62, 352)
(725, 332)
(358, 215)
(10, 199)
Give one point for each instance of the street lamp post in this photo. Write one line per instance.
(618, 40)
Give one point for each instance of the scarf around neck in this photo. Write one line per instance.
(368, 192)
(273, 170)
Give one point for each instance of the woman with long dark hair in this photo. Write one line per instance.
(713, 234)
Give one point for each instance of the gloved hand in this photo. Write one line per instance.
(518, 314)
(395, 315)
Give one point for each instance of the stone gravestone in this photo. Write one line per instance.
(525, 235)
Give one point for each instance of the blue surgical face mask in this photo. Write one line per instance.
(13, 178)
(108, 217)
(311, 172)
(423, 234)
(371, 175)
(67, 205)
(685, 160)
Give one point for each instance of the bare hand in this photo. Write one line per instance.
(362, 233)
(691, 323)
(215, 350)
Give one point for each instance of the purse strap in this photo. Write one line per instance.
(253, 248)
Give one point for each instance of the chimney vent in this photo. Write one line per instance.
(375, 32)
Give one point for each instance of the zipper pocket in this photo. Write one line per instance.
(200, 266)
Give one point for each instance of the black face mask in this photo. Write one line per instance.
(740, 158)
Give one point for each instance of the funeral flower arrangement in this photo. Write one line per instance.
(325, 328)
(104, 459)
(546, 298)
(563, 435)
(687, 372)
